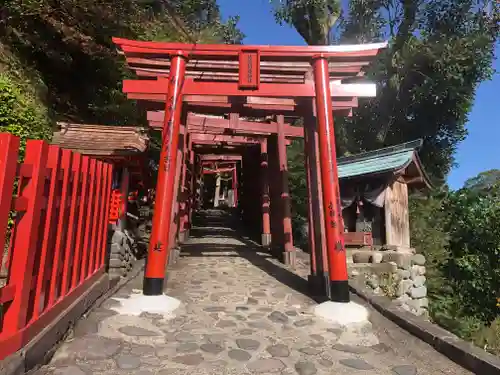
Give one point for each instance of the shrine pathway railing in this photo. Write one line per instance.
(53, 219)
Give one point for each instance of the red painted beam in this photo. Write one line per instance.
(287, 90)
(209, 138)
(222, 157)
(196, 122)
(228, 50)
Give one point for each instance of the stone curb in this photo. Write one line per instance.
(459, 351)
(29, 358)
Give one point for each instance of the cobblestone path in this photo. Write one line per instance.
(242, 313)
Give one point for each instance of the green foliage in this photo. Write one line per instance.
(19, 115)
(474, 265)
(484, 181)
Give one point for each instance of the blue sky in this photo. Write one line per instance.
(479, 152)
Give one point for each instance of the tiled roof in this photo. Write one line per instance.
(101, 140)
(391, 159)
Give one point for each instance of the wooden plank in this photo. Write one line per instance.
(397, 222)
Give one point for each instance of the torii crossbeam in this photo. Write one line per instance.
(252, 81)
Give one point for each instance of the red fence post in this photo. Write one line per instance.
(108, 176)
(88, 222)
(69, 255)
(55, 280)
(31, 188)
(9, 147)
(95, 219)
(82, 209)
(53, 161)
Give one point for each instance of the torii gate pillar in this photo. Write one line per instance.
(266, 200)
(339, 287)
(154, 274)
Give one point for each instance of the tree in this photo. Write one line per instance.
(484, 181)
(313, 19)
(440, 50)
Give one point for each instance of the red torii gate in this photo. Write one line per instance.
(236, 78)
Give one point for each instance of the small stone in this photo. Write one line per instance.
(356, 363)
(137, 331)
(278, 317)
(259, 294)
(291, 313)
(402, 260)
(351, 349)
(265, 309)
(246, 332)
(247, 344)
(252, 301)
(214, 309)
(404, 370)
(403, 274)
(95, 348)
(336, 331)
(418, 259)
(259, 325)
(225, 324)
(189, 359)
(325, 362)
(419, 292)
(128, 362)
(255, 315)
(242, 308)
(212, 348)
(380, 348)
(310, 351)
(187, 347)
(317, 337)
(266, 365)
(404, 287)
(419, 281)
(185, 337)
(305, 368)
(421, 303)
(278, 350)
(239, 355)
(303, 322)
(70, 370)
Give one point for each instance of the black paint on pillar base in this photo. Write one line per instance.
(339, 291)
(152, 286)
(317, 285)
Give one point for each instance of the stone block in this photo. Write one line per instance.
(116, 249)
(417, 271)
(417, 304)
(373, 281)
(361, 257)
(402, 260)
(419, 281)
(419, 292)
(403, 274)
(402, 300)
(418, 259)
(118, 237)
(404, 287)
(377, 257)
(115, 263)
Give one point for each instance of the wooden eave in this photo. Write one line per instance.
(102, 140)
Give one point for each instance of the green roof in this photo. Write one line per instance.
(385, 160)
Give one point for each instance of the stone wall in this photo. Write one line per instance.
(399, 276)
(122, 256)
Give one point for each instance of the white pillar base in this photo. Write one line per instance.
(137, 304)
(343, 314)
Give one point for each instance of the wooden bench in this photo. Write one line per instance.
(358, 239)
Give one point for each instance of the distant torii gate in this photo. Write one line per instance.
(253, 80)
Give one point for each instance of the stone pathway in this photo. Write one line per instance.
(242, 313)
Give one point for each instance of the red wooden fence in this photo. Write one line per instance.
(58, 242)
